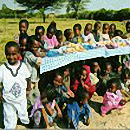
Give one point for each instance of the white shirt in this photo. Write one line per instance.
(14, 87)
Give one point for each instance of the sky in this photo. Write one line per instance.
(93, 5)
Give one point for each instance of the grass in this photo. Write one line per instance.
(10, 27)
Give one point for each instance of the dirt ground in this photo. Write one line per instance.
(117, 119)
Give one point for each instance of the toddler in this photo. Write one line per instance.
(113, 97)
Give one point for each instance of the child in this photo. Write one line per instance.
(68, 35)
(96, 32)
(33, 61)
(127, 34)
(113, 97)
(39, 32)
(63, 92)
(59, 37)
(105, 36)
(23, 44)
(45, 108)
(77, 34)
(86, 80)
(14, 76)
(50, 39)
(88, 36)
(23, 27)
(112, 30)
(79, 110)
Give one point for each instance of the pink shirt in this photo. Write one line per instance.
(111, 98)
(50, 43)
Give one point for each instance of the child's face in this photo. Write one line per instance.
(84, 72)
(77, 31)
(98, 26)
(114, 87)
(86, 99)
(50, 33)
(108, 69)
(35, 46)
(119, 68)
(58, 80)
(23, 28)
(40, 33)
(128, 28)
(60, 39)
(66, 73)
(12, 55)
(106, 29)
(112, 28)
(71, 35)
(88, 30)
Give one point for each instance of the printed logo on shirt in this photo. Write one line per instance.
(16, 90)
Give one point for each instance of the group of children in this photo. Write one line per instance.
(60, 95)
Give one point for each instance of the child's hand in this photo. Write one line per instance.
(48, 127)
(59, 114)
(71, 94)
(39, 61)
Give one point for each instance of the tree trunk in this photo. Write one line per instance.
(44, 17)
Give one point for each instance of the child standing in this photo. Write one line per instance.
(15, 78)
(96, 31)
(59, 37)
(88, 36)
(23, 27)
(105, 35)
(68, 33)
(39, 33)
(50, 38)
(33, 61)
(112, 30)
(77, 34)
(112, 98)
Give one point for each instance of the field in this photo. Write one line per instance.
(10, 27)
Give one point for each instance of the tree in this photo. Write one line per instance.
(40, 5)
(76, 5)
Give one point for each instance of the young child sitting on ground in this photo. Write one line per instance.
(79, 110)
(45, 108)
(86, 80)
(113, 97)
(14, 76)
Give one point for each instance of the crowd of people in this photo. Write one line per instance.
(61, 95)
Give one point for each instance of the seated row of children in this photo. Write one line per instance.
(54, 38)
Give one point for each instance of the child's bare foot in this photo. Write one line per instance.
(102, 115)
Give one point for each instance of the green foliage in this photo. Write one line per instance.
(41, 5)
(76, 6)
(102, 14)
